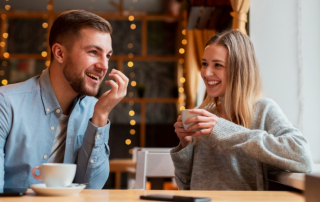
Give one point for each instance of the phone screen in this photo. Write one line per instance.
(12, 191)
(160, 197)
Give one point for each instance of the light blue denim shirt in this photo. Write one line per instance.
(29, 116)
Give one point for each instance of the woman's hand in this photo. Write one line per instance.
(205, 124)
(184, 136)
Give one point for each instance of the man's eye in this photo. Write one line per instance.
(109, 56)
(93, 52)
(204, 64)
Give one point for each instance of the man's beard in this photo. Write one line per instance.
(77, 80)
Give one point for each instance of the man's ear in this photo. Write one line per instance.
(59, 52)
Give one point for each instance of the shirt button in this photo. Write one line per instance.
(52, 128)
(92, 161)
(58, 111)
(48, 109)
(45, 157)
(98, 136)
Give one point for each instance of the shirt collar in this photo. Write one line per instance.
(49, 100)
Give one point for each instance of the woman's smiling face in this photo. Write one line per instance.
(214, 69)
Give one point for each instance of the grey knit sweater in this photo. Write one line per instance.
(236, 158)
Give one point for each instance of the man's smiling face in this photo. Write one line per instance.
(87, 61)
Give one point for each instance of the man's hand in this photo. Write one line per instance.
(110, 98)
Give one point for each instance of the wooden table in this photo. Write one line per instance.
(133, 195)
(119, 166)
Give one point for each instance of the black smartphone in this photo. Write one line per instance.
(12, 192)
(161, 197)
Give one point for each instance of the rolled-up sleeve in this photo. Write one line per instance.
(93, 157)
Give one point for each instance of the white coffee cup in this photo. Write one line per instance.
(55, 174)
(185, 114)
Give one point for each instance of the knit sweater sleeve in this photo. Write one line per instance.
(276, 142)
(182, 161)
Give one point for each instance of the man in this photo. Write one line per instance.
(53, 117)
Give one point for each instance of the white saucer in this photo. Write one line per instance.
(42, 189)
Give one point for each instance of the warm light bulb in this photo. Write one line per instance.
(6, 55)
(128, 141)
(4, 82)
(45, 25)
(133, 26)
(184, 41)
(7, 7)
(44, 54)
(181, 61)
(130, 45)
(131, 113)
(181, 50)
(132, 131)
(1, 72)
(182, 108)
(133, 83)
(132, 122)
(3, 44)
(131, 18)
(181, 89)
(130, 64)
(5, 35)
(130, 55)
(182, 80)
(47, 63)
(184, 32)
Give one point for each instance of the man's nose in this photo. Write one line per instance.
(103, 63)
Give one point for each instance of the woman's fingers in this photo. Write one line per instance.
(203, 132)
(178, 124)
(199, 126)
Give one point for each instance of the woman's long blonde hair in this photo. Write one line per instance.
(243, 78)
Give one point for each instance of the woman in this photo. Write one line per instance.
(242, 137)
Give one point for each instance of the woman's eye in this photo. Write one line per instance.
(218, 65)
(204, 64)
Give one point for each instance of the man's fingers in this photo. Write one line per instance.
(121, 83)
(123, 77)
(114, 86)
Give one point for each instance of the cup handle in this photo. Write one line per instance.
(37, 177)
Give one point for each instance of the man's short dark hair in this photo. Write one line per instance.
(66, 28)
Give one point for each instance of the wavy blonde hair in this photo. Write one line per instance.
(243, 78)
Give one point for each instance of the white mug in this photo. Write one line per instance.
(185, 114)
(55, 174)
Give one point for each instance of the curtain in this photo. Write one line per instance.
(239, 14)
(193, 56)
